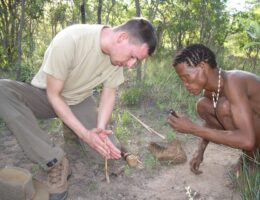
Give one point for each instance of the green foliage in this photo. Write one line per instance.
(35, 169)
(178, 23)
(92, 186)
(126, 118)
(122, 123)
(2, 126)
(131, 96)
(254, 34)
(56, 125)
(150, 162)
(26, 73)
(128, 171)
(249, 179)
(122, 133)
(170, 136)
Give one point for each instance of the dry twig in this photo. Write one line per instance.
(147, 127)
(106, 167)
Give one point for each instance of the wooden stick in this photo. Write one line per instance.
(106, 167)
(147, 127)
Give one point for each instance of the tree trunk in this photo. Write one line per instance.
(99, 12)
(5, 21)
(139, 64)
(31, 37)
(14, 31)
(255, 58)
(138, 9)
(83, 12)
(109, 11)
(19, 41)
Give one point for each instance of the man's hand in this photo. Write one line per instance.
(180, 123)
(115, 153)
(98, 140)
(195, 163)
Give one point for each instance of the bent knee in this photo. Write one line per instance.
(223, 107)
(3, 87)
(4, 84)
(204, 107)
(6, 89)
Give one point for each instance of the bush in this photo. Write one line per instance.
(131, 96)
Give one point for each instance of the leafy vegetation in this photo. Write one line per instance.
(248, 181)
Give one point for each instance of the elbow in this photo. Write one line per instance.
(248, 145)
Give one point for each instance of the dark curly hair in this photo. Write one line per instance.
(194, 54)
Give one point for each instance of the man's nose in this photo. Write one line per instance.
(131, 62)
(186, 85)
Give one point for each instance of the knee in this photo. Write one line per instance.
(203, 107)
(3, 85)
(4, 88)
(223, 109)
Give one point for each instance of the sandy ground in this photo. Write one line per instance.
(147, 182)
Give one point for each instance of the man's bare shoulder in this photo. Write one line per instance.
(237, 77)
(242, 82)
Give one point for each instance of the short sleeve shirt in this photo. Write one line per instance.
(75, 57)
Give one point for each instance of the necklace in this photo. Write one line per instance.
(214, 95)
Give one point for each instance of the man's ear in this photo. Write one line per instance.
(122, 36)
(203, 66)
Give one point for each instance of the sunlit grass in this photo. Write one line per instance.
(249, 180)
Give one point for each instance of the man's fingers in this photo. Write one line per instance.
(195, 170)
(194, 167)
(103, 151)
(115, 153)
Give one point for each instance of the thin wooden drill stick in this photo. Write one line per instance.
(147, 127)
(106, 167)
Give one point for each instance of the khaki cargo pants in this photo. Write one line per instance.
(21, 105)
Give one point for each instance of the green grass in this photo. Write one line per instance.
(170, 135)
(150, 162)
(35, 169)
(92, 186)
(128, 171)
(122, 125)
(248, 181)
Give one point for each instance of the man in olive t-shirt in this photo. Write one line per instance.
(78, 59)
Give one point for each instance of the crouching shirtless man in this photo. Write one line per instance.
(230, 105)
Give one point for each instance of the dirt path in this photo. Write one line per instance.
(151, 182)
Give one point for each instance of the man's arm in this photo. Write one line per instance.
(198, 156)
(238, 138)
(106, 107)
(54, 89)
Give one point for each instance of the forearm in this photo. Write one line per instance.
(106, 107)
(64, 112)
(202, 146)
(232, 138)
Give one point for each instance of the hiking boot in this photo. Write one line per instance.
(58, 180)
(172, 153)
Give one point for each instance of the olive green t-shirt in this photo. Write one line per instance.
(75, 57)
